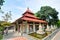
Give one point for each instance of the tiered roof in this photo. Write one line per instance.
(29, 16)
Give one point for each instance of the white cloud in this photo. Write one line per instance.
(20, 8)
(34, 5)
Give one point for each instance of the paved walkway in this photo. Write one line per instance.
(10, 35)
(15, 34)
(57, 36)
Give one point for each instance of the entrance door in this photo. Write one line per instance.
(24, 28)
(31, 28)
(37, 27)
(19, 28)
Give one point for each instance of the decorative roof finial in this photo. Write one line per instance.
(27, 8)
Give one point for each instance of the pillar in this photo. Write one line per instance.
(52, 27)
(40, 27)
(56, 26)
(14, 28)
(33, 27)
(48, 28)
(17, 25)
(40, 31)
(43, 27)
(27, 25)
(21, 29)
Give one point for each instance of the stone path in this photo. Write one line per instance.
(10, 35)
(57, 36)
(15, 34)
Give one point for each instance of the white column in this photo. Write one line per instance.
(40, 31)
(14, 27)
(48, 28)
(33, 27)
(40, 27)
(55, 26)
(21, 29)
(52, 27)
(43, 27)
(27, 28)
(17, 26)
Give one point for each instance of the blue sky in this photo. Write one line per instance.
(18, 7)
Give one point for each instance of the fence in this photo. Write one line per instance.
(49, 37)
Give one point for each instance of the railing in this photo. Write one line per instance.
(49, 37)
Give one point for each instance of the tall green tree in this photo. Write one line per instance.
(5, 23)
(48, 14)
(7, 16)
(58, 24)
(1, 3)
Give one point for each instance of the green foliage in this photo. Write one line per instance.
(1, 36)
(1, 30)
(3, 24)
(6, 24)
(58, 24)
(48, 14)
(39, 36)
(1, 3)
(7, 16)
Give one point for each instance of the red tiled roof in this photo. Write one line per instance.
(33, 20)
(29, 15)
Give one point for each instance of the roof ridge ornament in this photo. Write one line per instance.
(28, 8)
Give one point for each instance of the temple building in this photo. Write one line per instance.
(29, 23)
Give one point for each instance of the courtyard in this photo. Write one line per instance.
(29, 20)
(31, 36)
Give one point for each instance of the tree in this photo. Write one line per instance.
(1, 3)
(58, 23)
(1, 26)
(7, 16)
(6, 19)
(48, 14)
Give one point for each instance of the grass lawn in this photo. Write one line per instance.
(1, 36)
(48, 32)
(40, 36)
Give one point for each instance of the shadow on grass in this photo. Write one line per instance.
(40, 36)
(1, 36)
